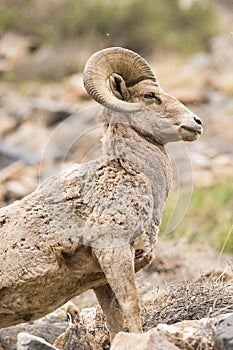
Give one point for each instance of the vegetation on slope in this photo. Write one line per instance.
(209, 217)
(140, 25)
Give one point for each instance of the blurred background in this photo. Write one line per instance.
(43, 48)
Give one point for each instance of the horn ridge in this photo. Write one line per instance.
(131, 66)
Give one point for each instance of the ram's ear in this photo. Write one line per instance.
(118, 87)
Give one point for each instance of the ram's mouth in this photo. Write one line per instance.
(189, 133)
(192, 130)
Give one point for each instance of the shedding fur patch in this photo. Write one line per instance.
(113, 204)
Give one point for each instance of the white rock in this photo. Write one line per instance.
(197, 333)
(87, 316)
(150, 340)
(26, 341)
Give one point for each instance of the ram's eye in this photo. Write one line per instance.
(149, 95)
(152, 96)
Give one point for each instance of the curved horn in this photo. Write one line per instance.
(132, 67)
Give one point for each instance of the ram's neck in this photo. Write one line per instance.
(136, 152)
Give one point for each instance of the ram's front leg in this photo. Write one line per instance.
(118, 265)
(111, 309)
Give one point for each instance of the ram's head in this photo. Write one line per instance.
(122, 81)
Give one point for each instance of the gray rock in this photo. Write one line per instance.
(10, 154)
(50, 112)
(51, 62)
(27, 341)
(224, 334)
(50, 332)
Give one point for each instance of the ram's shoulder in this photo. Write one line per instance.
(97, 182)
(106, 195)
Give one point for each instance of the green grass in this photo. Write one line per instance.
(143, 26)
(209, 218)
(8, 17)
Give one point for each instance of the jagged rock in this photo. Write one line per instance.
(145, 341)
(224, 334)
(26, 341)
(75, 337)
(197, 334)
(49, 332)
(88, 330)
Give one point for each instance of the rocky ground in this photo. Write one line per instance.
(186, 303)
(186, 293)
(48, 124)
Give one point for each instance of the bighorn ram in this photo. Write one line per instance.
(95, 224)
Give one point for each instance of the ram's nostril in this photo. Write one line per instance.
(198, 120)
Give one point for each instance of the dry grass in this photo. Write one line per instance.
(209, 296)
